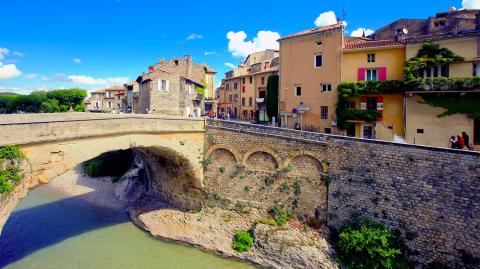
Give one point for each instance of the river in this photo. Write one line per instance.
(53, 229)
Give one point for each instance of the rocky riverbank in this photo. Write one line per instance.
(292, 246)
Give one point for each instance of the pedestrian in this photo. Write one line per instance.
(297, 126)
(460, 142)
(453, 142)
(466, 140)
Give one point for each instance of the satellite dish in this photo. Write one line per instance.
(405, 30)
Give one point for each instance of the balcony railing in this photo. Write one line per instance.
(446, 84)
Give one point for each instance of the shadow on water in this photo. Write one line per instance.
(32, 229)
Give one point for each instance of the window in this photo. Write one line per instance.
(243, 101)
(250, 101)
(251, 79)
(298, 90)
(230, 98)
(227, 86)
(367, 132)
(371, 57)
(162, 85)
(476, 69)
(235, 86)
(109, 104)
(439, 23)
(319, 43)
(328, 130)
(350, 105)
(318, 60)
(243, 80)
(206, 79)
(436, 71)
(324, 112)
(420, 131)
(189, 87)
(326, 87)
(263, 80)
(372, 75)
(236, 98)
(96, 105)
(372, 103)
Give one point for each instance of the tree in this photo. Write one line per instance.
(272, 96)
(49, 106)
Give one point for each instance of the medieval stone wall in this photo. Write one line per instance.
(430, 195)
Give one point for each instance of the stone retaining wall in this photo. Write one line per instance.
(430, 195)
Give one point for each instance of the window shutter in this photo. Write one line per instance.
(382, 74)
(167, 87)
(363, 102)
(380, 107)
(361, 74)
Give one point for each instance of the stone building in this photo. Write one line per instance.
(175, 87)
(244, 89)
(108, 99)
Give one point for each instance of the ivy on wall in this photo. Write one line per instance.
(10, 171)
(467, 104)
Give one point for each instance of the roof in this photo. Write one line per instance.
(115, 88)
(364, 44)
(98, 91)
(315, 30)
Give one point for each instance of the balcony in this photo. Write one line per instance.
(443, 84)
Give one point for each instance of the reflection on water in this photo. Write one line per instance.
(47, 230)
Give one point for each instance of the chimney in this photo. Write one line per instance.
(162, 60)
(188, 59)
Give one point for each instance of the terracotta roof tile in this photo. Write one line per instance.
(314, 30)
(373, 44)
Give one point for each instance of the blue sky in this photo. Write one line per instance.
(94, 44)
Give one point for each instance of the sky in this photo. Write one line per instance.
(93, 44)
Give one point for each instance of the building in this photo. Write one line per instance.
(310, 72)
(453, 21)
(133, 93)
(106, 100)
(244, 89)
(370, 60)
(449, 81)
(174, 87)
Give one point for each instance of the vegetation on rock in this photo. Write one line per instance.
(11, 173)
(280, 214)
(243, 241)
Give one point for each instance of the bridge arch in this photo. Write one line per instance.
(309, 153)
(265, 150)
(229, 149)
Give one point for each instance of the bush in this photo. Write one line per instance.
(367, 244)
(280, 214)
(10, 171)
(243, 241)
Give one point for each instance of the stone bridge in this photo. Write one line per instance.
(430, 195)
(55, 143)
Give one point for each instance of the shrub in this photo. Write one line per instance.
(280, 214)
(10, 172)
(243, 241)
(221, 169)
(269, 181)
(206, 162)
(297, 187)
(284, 188)
(364, 243)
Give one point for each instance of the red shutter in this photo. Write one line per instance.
(361, 74)
(382, 74)
(363, 102)
(243, 88)
(380, 107)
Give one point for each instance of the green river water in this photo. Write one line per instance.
(48, 230)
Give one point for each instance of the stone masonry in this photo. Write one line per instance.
(431, 196)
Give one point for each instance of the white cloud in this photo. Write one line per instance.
(77, 60)
(471, 4)
(18, 54)
(9, 71)
(326, 18)
(194, 37)
(232, 66)
(241, 48)
(3, 52)
(30, 76)
(207, 53)
(359, 32)
(87, 80)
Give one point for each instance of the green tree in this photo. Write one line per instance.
(68, 97)
(49, 106)
(365, 244)
(272, 96)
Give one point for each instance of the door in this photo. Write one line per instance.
(367, 131)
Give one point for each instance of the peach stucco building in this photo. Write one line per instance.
(310, 72)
